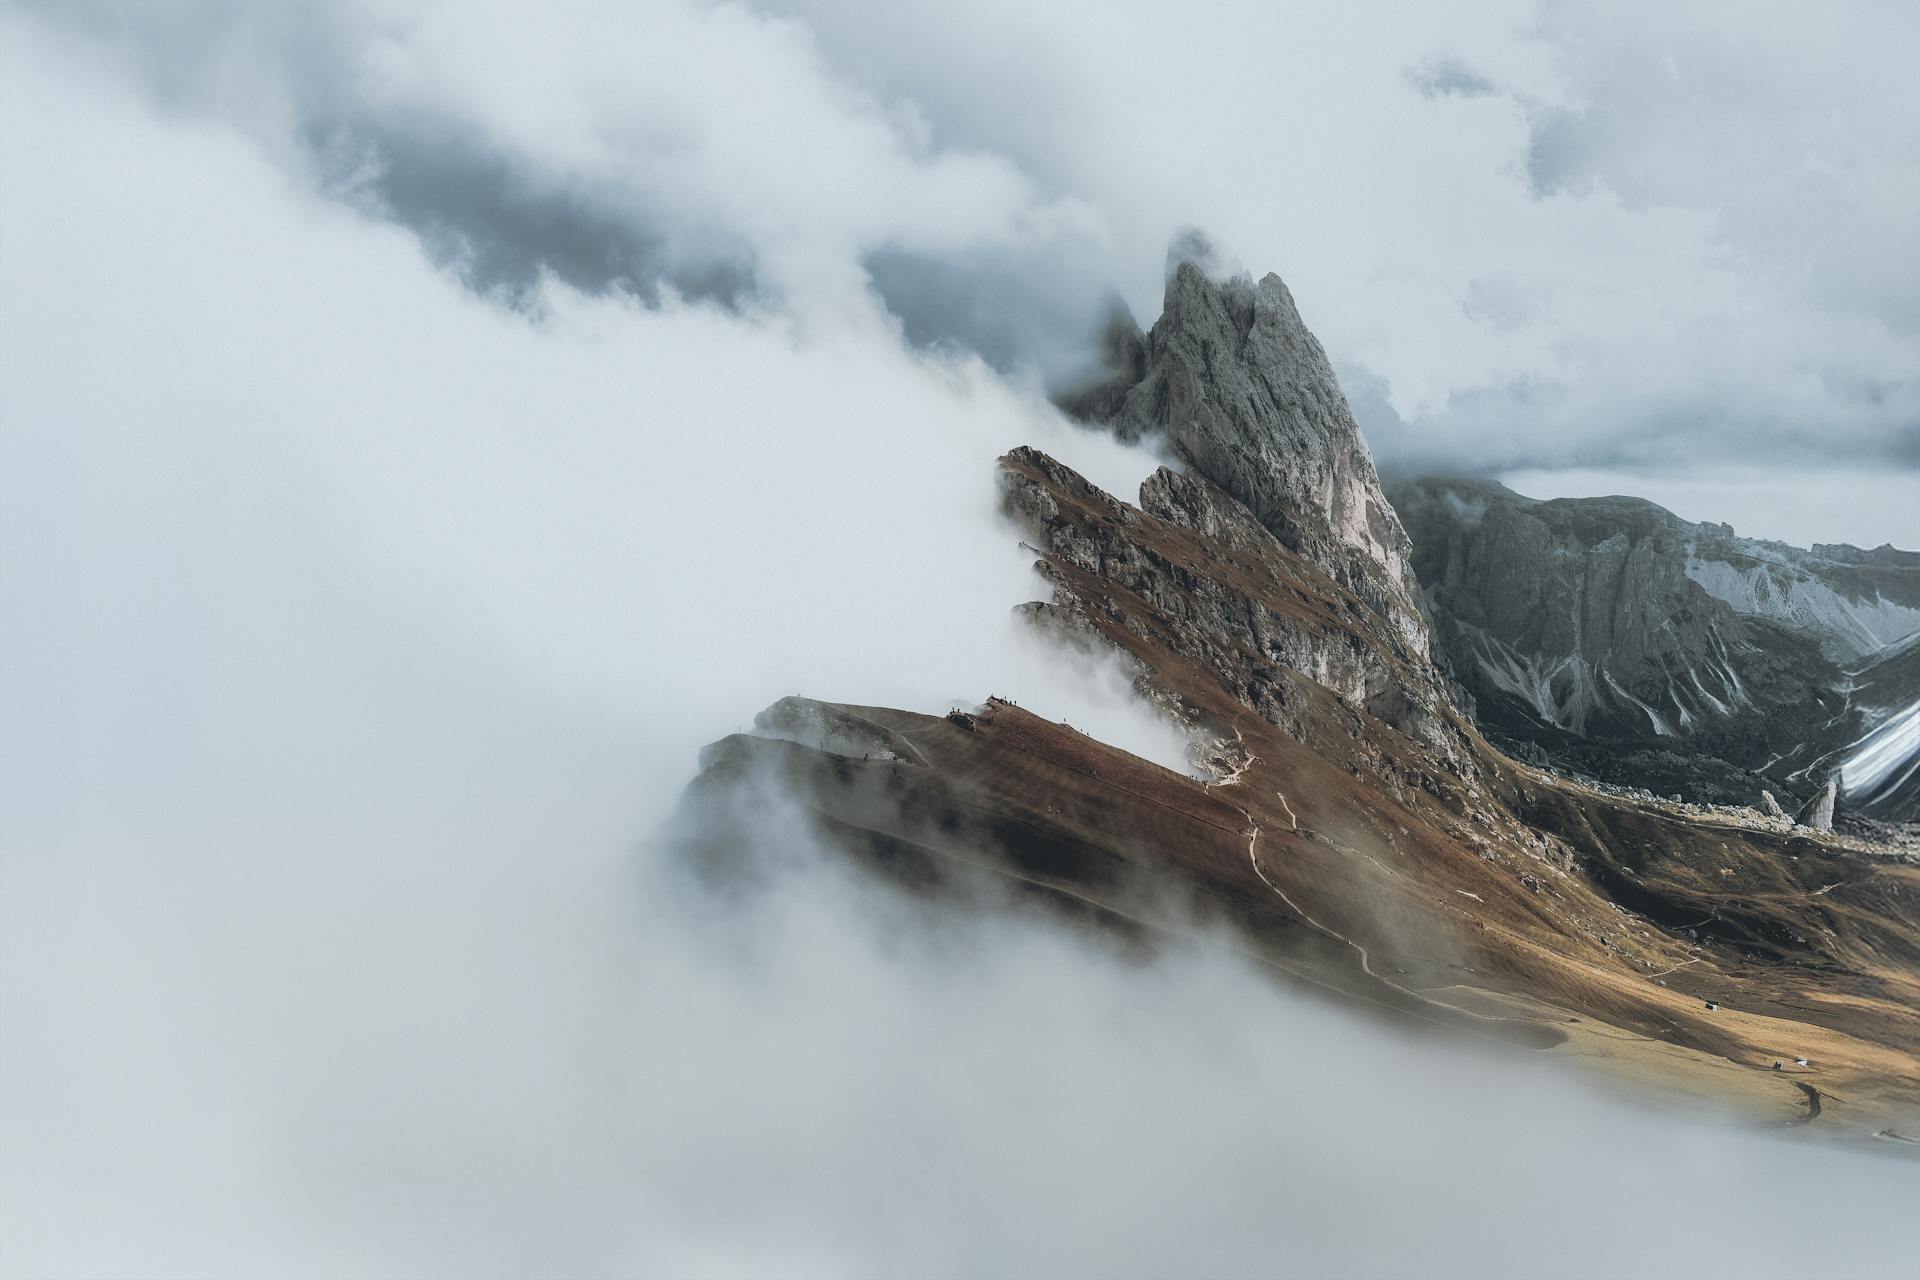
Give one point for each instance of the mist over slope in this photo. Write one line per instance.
(1350, 834)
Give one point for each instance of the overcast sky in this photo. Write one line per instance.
(1642, 243)
(425, 425)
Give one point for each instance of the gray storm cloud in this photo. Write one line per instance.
(1552, 235)
(372, 573)
(699, 149)
(1549, 235)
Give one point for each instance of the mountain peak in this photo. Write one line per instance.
(1240, 388)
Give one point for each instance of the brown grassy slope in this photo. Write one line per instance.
(1359, 835)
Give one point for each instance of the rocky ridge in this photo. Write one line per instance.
(1201, 563)
(1856, 602)
(1348, 827)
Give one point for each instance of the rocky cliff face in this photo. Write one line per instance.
(1233, 380)
(1855, 602)
(1204, 569)
(1629, 643)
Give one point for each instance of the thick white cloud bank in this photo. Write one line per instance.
(359, 630)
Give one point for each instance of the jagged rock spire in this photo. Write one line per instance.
(1236, 383)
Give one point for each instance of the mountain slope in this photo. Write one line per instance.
(1857, 603)
(1350, 829)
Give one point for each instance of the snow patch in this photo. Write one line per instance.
(1848, 628)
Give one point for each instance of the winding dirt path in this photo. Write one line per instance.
(1253, 834)
(1676, 968)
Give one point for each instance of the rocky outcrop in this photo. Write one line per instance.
(1233, 380)
(1818, 812)
(1212, 577)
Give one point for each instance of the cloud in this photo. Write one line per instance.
(1023, 309)
(1557, 237)
(595, 1075)
(1646, 238)
(504, 230)
(761, 477)
(600, 149)
(1450, 77)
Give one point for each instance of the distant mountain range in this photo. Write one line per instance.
(1620, 640)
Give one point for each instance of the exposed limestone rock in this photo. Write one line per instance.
(1818, 812)
(1218, 581)
(1770, 806)
(1232, 378)
(1855, 602)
